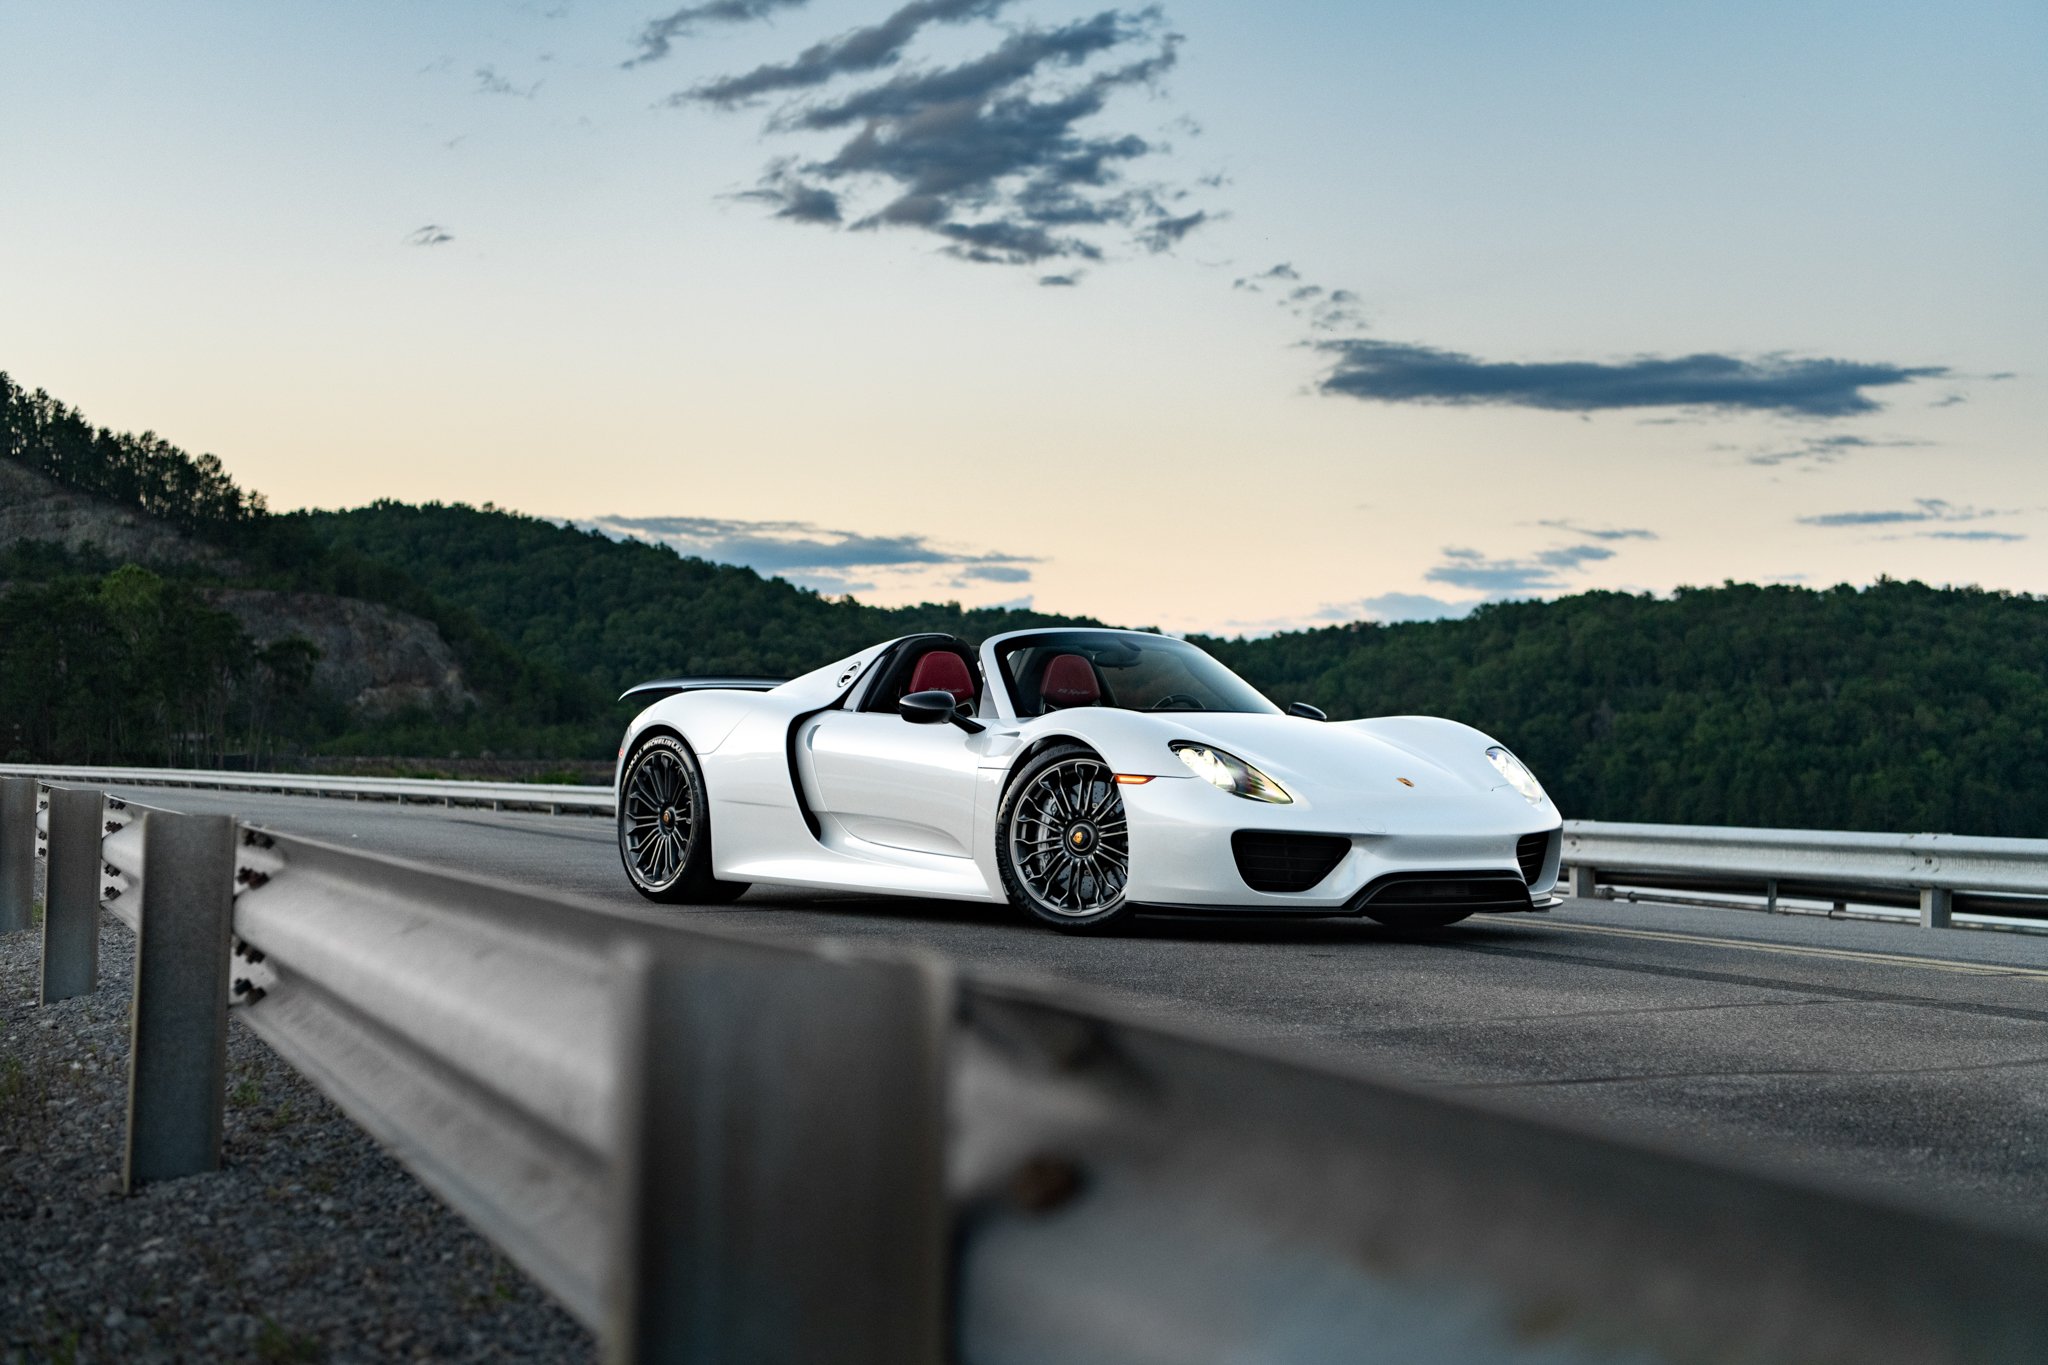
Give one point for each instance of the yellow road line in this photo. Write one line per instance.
(1794, 949)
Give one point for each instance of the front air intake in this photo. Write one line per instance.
(1286, 862)
(1532, 851)
(1471, 891)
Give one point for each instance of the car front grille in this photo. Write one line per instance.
(1446, 891)
(1532, 851)
(1286, 862)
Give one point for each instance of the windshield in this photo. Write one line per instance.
(1066, 668)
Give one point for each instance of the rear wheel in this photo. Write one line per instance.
(1063, 843)
(665, 826)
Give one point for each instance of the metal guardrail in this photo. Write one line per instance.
(496, 795)
(715, 1150)
(1939, 873)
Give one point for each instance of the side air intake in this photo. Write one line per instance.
(1532, 851)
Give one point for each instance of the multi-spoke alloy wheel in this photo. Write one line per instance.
(664, 830)
(1065, 845)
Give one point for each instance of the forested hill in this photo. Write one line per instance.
(1891, 707)
(621, 612)
(1894, 707)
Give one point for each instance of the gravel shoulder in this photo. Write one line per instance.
(311, 1246)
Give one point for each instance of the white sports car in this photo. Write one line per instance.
(1079, 774)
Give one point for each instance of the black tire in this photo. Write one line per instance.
(1063, 842)
(664, 824)
(1418, 919)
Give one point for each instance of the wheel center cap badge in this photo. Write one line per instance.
(1081, 837)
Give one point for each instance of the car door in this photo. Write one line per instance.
(888, 782)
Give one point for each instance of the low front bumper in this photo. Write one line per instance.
(1181, 856)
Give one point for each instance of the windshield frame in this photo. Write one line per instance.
(1002, 686)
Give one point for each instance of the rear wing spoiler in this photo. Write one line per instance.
(648, 692)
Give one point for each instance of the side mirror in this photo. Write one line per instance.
(1306, 712)
(927, 708)
(936, 707)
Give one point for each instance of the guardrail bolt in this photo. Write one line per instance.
(109, 870)
(1043, 1183)
(250, 877)
(255, 839)
(243, 985)
(116, 803)
(115, 827)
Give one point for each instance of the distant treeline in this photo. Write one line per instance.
(130, 667)
(1893, 707)
(192, 492)
(620, 612)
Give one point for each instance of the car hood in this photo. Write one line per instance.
(1401, 764)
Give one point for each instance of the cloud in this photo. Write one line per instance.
(1398, 606)
(1540, 572)
(1598, 532)
(823, 558)
(1282, 271)
(1814, 451)
(793, 199)
(1066, 281)
(1322, 308)
(997, 156)
(995, 573)
(1970, 535)
(433, 234)
(489, 82)
(1923, 510)
(1395, 372)
(862, 50)
(657, 37)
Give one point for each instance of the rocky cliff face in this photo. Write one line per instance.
(376, 659)
(34, 506)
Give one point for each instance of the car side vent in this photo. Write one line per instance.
(1286, 862)
(1532, 851)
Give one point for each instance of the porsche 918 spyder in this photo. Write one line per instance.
(1081, 775)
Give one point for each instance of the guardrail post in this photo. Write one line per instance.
(177, 1058)
(1584, 880)
(17, 852)
(1937, 905)
(71, 901)
(783, 1178)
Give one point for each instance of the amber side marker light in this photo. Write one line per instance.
(1132, 779)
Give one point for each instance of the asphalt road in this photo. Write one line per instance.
(1880, 1056)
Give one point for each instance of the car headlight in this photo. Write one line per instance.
(1228, 772)
(1516, 775)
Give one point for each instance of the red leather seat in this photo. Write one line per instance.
(1069, 680)
(939, 671)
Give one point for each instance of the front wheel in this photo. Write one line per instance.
(665, 826)
(1063, 843)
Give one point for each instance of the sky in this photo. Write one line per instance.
(1200, 314)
